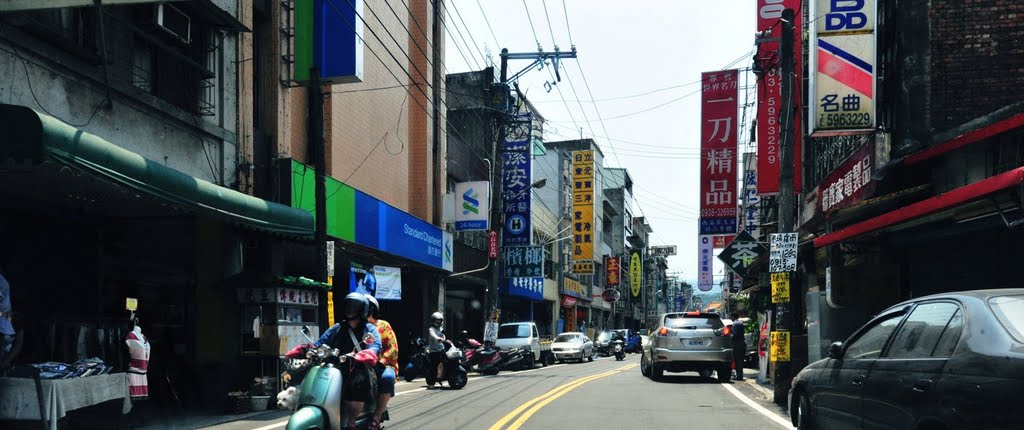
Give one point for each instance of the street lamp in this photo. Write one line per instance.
(540, 183)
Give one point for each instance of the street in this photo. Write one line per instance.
(602, 394)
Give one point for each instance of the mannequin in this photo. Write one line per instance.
(138, 349)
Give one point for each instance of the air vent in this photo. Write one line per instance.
(175, 22)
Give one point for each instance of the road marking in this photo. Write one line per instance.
(410, 391)
(538, 402)
(761, 409)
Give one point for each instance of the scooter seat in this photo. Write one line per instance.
(487, 352)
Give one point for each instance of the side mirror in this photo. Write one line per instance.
(835, 350)
(305, 330)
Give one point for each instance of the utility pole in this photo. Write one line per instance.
(784, 311)
(315, 137)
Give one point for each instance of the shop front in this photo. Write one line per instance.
(575, 305)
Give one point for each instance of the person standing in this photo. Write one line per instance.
(387, 366)
(739, 344)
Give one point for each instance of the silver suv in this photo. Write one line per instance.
(689, 341)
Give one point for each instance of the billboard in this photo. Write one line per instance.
(718, 195)
(473, 208)
(517, 178)
(850, 183)
(382, 282)
(583, 205)
(769, 94)
(842, 54)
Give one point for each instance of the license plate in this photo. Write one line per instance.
(693, 342)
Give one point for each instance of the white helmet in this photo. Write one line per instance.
(374, 306)
(437, 319)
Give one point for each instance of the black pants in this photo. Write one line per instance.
(739, 351)
(435, 359)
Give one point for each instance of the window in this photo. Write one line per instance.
(693, 323)
(515, 331)
(568, 338)
(947, 342)
(919, 335)
(1010, 311)
(870, 343)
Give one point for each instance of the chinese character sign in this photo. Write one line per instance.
(705, 263)
(583, 205)
(636, 273)
(769, 94)
(612, 271)
(850, 182)
(517, 177)
(718, 194)
(783, 253)
(741, 253)
(780, 287)
(583, 267)
(750, 215)
(524, 261)
(780, 346)
(529, 287)
(843, 82)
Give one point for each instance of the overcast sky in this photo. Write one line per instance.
(648, 56)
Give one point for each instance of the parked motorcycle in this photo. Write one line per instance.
(619, 348)
(480, 358)
(316, 400)
(512, 358)
(419, 365)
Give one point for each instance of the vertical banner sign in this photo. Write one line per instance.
(780, 346)
(750, 218)
(636, 273)
(516, 181)
(780, 287)
(782, 257)
(705, 263)
(842, 57)
(718, 196)
(769, 94)
(583, 205)
(613, 269)
(472, 211)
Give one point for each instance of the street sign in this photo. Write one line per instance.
(740, 254)
(780, 287)
(524, 261)
(783, 253)
(492, 245)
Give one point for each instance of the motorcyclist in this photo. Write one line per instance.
(436, 347)
(360, 337)
(387, 366)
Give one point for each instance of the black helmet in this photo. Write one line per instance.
(437, 319)
(355, 306)
(374, 306)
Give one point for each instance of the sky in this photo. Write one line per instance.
(643, 61)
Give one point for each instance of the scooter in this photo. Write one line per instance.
(483, 359)
(419, 365)
(618, 346)
(316, 402)
(512, 358)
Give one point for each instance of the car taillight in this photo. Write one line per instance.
(663, 331)
(725, 331)
(692, 314)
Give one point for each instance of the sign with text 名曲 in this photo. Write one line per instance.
(718, 196)
(769, 94)
(529, 287)
(705, 263)
(780, 287)
(473, 210)
(524, 261)
(783, 253)
(636, 273)
(849, 183)
(843, 55)
(613, 270)
(517, 180)
(583, 177)
(741, 253)
(583, 267)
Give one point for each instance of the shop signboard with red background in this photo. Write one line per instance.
(718, 193)
(849, 183)
(769, 94)
(613, 271)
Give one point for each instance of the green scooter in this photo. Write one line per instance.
(316, 402)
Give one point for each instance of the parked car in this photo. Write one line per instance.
(689, 342)
(947, 361)
(525, 335)
(572, 346)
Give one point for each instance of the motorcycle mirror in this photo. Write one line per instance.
(368, 339)
(305, 333)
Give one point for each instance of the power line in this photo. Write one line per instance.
(483, 58)
(497, 44)
(550, 28)
(535, 38)
(633, 96)
(568, 31)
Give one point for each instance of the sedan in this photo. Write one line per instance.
(947, 361)
(572, 346)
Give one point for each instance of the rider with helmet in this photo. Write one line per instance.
(436, 347)
(357, 335)
(387, 366)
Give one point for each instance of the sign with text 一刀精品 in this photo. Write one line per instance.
(718, 161)
(842, 54)
(782, 257)
(517, 179)
(472, 211)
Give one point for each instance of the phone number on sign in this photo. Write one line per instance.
(830, 120)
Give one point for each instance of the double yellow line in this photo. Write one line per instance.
(531, 407)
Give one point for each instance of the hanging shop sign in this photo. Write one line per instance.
(636, 273)
(292, 296)
(473, 206)
(583, 268)
(783, 253)
(705, 263)
(769, 94)
(492, 245)
(568, 301)
(574, 288)
(750, 216)
(780, 346)
(381, 282)
(662, 250)
(329, 37)
(780, 287)
(583, 205)
(842, 51)
(529, 287)
(741, 253)
(722, 241)
(517, 179)
(850, 183)
(718, 196)
(524, 261)
(613, 270)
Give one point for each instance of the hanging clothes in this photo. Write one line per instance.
(138, 349)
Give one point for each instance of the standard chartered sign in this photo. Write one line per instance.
(472, 207)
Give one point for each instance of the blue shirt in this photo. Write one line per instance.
(738, 331)
(337, 337)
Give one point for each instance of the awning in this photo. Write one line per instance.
(925, 207)
(969, 133)
(36, 150)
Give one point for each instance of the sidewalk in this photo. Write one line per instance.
(763, 395)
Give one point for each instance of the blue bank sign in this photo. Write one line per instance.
(384, 227)
(472, 206)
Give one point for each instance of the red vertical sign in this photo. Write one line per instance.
(718, 193)
(769, 95)
(613, 270)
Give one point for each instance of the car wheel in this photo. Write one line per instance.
(706, 373)
(803, 415)
(530, 361)
(724, 374)
(656, 372)
(645, 365)
(590, 357)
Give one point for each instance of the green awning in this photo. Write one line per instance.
(31, 141)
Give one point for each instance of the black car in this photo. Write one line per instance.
(948, 361)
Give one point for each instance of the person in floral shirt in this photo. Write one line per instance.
(387, 366)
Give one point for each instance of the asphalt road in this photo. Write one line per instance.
(604, 394)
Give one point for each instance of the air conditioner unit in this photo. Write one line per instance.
(174, 21)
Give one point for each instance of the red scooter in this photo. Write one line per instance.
(480, 358)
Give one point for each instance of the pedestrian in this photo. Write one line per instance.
(739, 344)
(387, 366)
(11, 340)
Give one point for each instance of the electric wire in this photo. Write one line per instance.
(497, 44)
(534, 29)
(461, 36)
(483, 57)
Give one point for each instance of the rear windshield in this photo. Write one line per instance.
(514, 331)
(680, 321)
(606, 336)
(567, 338)
(1010, 311)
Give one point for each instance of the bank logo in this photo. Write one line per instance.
(470, 202)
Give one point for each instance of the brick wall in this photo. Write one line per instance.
(977, 58)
